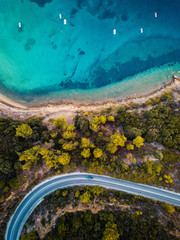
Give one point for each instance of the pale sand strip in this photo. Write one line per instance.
(17, 111)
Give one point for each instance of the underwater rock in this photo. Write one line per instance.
(41, 3)
(29, 44)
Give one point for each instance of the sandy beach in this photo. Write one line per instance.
(9, 108)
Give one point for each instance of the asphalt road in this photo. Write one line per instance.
(33, 198)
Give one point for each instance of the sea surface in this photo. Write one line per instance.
(45, 60)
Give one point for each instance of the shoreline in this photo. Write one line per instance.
(15, 110)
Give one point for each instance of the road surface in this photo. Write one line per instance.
(33, 198)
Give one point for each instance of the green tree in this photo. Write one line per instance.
(82, 124)
(158, 154)
(132, 132)
(24, 130)
(6, 166)
(170, 156)
(152, 135)
(32, 235)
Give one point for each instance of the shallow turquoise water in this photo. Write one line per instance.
(83, 60)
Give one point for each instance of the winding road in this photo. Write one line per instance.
(33, 198)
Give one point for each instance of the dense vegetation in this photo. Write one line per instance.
(16, 137)
(116, 142)
(107, 226)
(111, 142)
(141, 218)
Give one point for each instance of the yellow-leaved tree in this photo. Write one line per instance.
(70, 127)
(138, 141)
(96, 121)
(60, 122)
(110, 232)
(112, 148)
(86, 153)
(24, 130)
(69, 135)
(70, 146)
(118, 140)
(110, 119)
(85, 197)
(130, 146)
(85, 143)
(30, 157)
(97, 153)
(102, 119)
(64, 159)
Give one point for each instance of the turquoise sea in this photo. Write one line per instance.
(46, 60)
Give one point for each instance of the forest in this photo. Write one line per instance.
(136, 143)
(140, 218)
